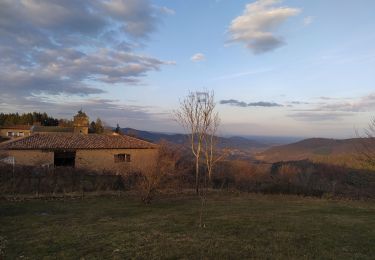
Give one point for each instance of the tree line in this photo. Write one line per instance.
(10, 119)
(32, 118)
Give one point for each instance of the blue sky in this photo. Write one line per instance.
(294, 68)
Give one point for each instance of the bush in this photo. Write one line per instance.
(295, 177)
(38, 180)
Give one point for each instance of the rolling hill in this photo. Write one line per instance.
(309, 148)
(335, 151)
(235, 142)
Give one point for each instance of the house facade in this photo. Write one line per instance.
(113, 153)
(15, 131)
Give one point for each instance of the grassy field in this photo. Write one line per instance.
(237, 226)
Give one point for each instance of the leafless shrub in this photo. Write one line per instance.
(366, 150)
(148, 184)
(150, 180)
(295, 177)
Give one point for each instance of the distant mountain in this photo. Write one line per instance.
(155, 136)
(234, 142)
(274, 140)
(343, 152)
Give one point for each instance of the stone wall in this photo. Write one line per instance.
(98, 160)
(104, 159)
(32, 157)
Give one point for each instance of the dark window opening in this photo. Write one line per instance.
(63, 158)
(122, 157)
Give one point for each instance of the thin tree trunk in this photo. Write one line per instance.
(197, 175)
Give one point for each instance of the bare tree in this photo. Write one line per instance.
(197, 115)
(367, 148)
(211, 141)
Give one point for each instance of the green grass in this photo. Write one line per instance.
(237, 227)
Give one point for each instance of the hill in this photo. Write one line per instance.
(235, 142)
(336, 151)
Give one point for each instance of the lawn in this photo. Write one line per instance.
(237, 226)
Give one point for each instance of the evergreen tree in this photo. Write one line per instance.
(99, 127)
(118, 129)
(92, 127)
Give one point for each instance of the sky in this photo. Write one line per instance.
(280, 68)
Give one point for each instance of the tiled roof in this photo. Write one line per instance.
(17, 127)
(76, 141)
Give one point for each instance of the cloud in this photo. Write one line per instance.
(319, 116)
(255, 26)
(335, 109)
(363, 104)
(330, 104)
(263, 104)
(298, 103)
(167, 10)
(326, 98)
(198, 57)
(137, 17)
(74, 47)
(234, 102)
(308, 20)
(66, 71)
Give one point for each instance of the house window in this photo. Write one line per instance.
(10, 134)
(21, 134)
(122, 157)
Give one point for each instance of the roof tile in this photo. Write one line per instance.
(76, 141)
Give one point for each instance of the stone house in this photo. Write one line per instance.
(115, 153)
(15, 131)
(75, 147)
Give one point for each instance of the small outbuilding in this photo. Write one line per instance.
(15, 131)
(115, 153)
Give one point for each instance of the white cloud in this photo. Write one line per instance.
(335, 108)
(256, 25)
(198, 57)
(167, 10)
(362, 104)
(137, 16)
(308, 20)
